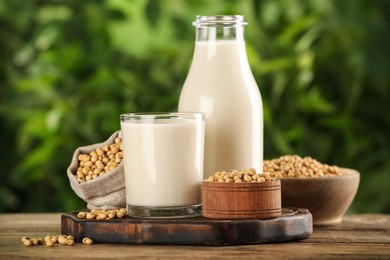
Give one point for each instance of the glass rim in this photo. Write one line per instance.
(162, 115)
(219, 20)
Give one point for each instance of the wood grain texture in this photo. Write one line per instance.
(327, 198)
(364, 236)
(260, 200)
(295, 224)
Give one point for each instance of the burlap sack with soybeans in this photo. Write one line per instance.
(104, 192)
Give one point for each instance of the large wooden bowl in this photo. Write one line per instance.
(327, 198)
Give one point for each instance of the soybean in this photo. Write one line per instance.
(70, 242)
(62, 240)
(81, 214)
(27, 242)
(90, 215)
(87, 241)
(50, 243)
(120, 214)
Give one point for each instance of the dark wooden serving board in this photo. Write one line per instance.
(293, 224)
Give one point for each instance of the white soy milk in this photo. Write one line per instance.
(163, 162)
(221, 85)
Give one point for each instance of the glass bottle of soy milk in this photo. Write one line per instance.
(221, 85)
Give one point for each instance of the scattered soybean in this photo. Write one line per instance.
(48, 240)
(101, 214)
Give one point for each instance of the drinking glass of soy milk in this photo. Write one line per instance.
(163, 163)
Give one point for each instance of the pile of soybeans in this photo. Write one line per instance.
(288, 166)
(99, 162)
(293, 166)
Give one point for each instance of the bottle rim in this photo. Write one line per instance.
(219, 20)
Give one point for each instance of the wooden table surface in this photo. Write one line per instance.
(358, 236)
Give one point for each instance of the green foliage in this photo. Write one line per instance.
(68, 69)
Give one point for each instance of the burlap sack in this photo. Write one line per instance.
(104, 192)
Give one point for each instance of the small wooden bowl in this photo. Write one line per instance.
(327, 198)
(253, 200)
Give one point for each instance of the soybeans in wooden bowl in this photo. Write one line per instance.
(241, 195)
(326, 191)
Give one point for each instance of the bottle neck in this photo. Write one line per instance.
(220, 27)
(216, 33)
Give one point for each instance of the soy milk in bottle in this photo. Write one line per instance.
(221, 85)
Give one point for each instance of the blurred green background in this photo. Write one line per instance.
(68, 68)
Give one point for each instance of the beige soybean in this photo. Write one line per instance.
(120, 214)
(50, 243)
(90, 215)
(101, 216)
(70, 242)
(27, 242)
(62, 240)
(247, 178)
(87, 241)
(81, 214)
